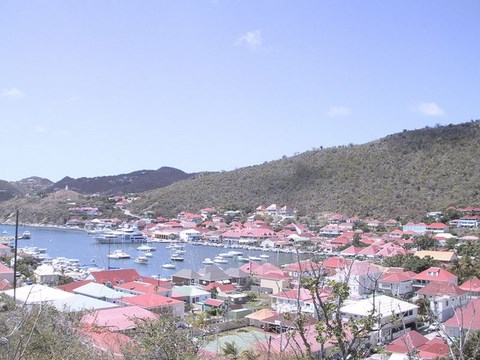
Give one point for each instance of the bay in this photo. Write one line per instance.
(76, 244)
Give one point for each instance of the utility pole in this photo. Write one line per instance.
(15, 259)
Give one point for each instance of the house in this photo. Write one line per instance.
(361, 277)
(190, 294)
(256, 318)
(6, 273)
(300, 299)
(46, 274)
(384, 309)
(212, 273)
(113, 277)
(433, 274)
(185, 277)
(117, 319)
(302, 268)
(443, 298)
(5, 250)
(352, 251)
(465, 319)
(142, 287)
(442, 256)
(470, 222)
(437, 228)
(472, 287)
(413, 345)
(398, 284)
(158, 304)
(419, 229)
(237, 276)
(100, 292)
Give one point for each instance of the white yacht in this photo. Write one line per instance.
(169, 266)
(122, 236)
(207, 261)
(141, 260)
(145, 247)
(118, 254)
(220, 260)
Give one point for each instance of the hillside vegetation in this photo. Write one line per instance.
(400, 175)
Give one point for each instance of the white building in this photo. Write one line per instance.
(395, 316)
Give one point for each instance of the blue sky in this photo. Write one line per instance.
(93, 88)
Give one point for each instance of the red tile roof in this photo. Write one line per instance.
(441, 288)
(115, 276)
(213, 302)
(398, 277)
(436, 274)
(117, 318)
(467, 318)
(73, 285)
(151, 301)
(472, 285)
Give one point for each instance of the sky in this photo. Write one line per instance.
(93, 88)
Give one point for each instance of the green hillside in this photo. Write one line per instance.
(400, 175)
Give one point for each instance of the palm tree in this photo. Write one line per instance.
(230, 349)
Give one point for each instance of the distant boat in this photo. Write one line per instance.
(145, 247)
(123, 236)
(264, 256)
(26, 235)
(254, 258)
(220, 260)
(177, 257)
(148, 254)
(242, 259)
(141, 260)
(118, 254)
(207, 261)
(169, 266)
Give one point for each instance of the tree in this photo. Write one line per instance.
(41, 332)
(163, 339)
(230, 349)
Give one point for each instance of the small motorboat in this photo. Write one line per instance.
(207, 261)
(141, 260)
(168, 266)
(118, 254)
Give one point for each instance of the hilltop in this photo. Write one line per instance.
(401, 175)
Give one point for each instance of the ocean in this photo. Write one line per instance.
(77, 244)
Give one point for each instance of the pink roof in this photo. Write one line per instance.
(141, 287)
(150, 301)
(117, 318)
(467, 318)
(427, 349)
(363, 268)
(472, 284)
(4, 269)
(407, 342)
(398, 277)
(304, 265)
(225, 288)
(213, 302)
(439, 288)
(436, 274)
(267, 268)
(335, 262)
(73, 285)
(301, 294)
(114, 276)
(110, 342)
(352, 250)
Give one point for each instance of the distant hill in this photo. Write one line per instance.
(134, 182)
(403, 175)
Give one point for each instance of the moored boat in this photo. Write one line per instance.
(141, 260)
(118, 254)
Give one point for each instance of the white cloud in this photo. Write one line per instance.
(338, 111)
(13, 93)
(251, 39)
(429, 109)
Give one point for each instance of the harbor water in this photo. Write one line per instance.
(77, 244)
